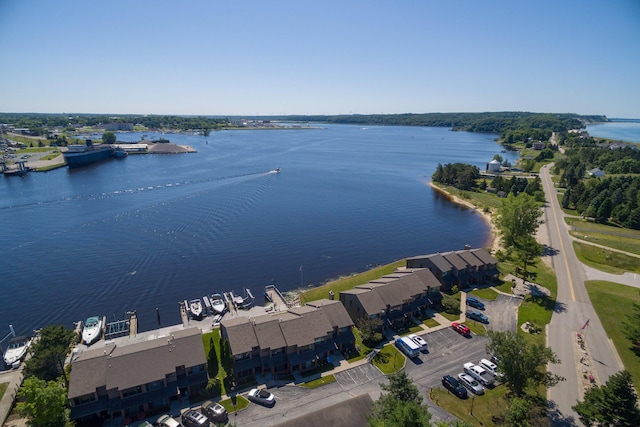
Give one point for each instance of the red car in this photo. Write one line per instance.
(461, 329)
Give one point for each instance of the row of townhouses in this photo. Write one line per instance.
(143, 378)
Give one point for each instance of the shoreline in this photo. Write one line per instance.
(494, 240)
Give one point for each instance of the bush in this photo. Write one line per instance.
(214, 387)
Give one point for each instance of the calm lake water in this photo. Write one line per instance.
(624, 131)
(151, 230)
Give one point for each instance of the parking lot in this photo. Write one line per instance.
(448, 351)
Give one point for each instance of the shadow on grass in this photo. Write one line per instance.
(547, 303)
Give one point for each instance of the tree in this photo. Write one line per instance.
(49, 352)
(401, 406)
(212, 360)
(368, 327)
(109, 138)
(518, 220)
(613, 404)
(521, 362)
(517, 414)
(44, 404)
(632, 328)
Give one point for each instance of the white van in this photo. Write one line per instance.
(408, 346)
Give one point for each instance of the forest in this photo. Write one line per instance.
(613, 199)
(39, 124)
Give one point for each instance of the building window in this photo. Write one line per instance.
(131, 391)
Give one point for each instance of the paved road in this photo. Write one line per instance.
(573, 309)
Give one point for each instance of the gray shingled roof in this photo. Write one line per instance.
(268, 332)
(305, 329)
(470, 258)
(455, 260)
(428, 278)
(122, 367)
(484, 256)
(152, 360)
(335, 312)
(439, 261)
(242, 338)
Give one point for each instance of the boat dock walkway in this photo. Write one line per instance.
(272, 294)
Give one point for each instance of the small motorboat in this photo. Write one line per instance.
(92, 330)
(243, 303)
(17, 350)
(217, 304)
(196, 309)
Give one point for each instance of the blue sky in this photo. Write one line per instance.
(330, 57)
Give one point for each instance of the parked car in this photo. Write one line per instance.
(261, 396)
(491, 367)
(461, 329)
(195, 418)
(214, 411)
(473, 302)
(479, 373)
(476, 315)
(471, 383)
(167, 421)
(420, 341)
(454, 386)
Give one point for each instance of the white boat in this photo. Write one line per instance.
(195, 307)
(217, 303)
(92, 330)
(16, 351)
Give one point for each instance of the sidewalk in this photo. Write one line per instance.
(14, 379)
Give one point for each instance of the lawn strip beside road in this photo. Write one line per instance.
(613, 303)
(346, 283)
(606, 260)
(622, 239)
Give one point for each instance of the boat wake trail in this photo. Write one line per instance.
(138, 190)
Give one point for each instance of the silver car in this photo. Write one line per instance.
(261, 396)
(469, 382)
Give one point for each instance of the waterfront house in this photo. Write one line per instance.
(299, 339)
(138, 379)
(396, 299)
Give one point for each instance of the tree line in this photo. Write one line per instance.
(39, 124)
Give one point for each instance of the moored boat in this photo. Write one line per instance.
(195, 307)
(243, 303)
(217, 303)
(82, 155)
(16, 351)
(119, 153)
(92, 330)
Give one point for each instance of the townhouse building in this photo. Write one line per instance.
(300, 339)
(136, 379)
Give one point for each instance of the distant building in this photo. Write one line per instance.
(493, 166)
(118, 127)
(596, 172)
(130, 380)
(538, 146)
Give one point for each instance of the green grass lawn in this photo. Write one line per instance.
(350, 282)
(389, 359)
(3, 388)
(319, 382)
(486, 293)
(624, 239)
(481, 199)
(613, 303)
(606, 260)
(492, 404)
(241, 403)
(431, 323)
(449, 316)
(476, 327)
(208, 339)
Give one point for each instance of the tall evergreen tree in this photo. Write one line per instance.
(613, 404)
